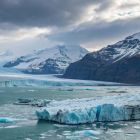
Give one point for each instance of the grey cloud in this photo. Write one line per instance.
(104, 5)
(128, 6)
(15, 14)
(43, 12)
(99, 32)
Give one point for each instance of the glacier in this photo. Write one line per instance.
(123, 107)
(28, 80)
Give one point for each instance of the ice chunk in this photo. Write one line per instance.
(78, 111)
(33, 102)
(6, 120)
(24, 100)
(88, 133)
(137, 127)
(84, 134)
(40, 102)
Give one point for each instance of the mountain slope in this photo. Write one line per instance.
(119, 62)
(48, 61)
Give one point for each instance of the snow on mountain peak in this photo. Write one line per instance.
(119, 62)
(6, 53)
(50, 60)
(134, 36)
(128, 47)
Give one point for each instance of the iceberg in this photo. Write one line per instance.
(123, 107)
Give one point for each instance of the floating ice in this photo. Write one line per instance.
(89, 110)
(12, 126)
(88, 133)
(6, 120)
(83, 133)
(33, 102)
(137, 127)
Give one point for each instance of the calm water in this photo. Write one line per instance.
(26, 126)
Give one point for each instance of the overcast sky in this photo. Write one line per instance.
(43, 23)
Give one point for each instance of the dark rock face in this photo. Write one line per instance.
(13, 63)
(49, 66)
(17, 62)
(116, 63)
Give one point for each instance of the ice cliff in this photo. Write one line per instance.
(24, 80)
(79, 111)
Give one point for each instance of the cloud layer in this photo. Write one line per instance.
(43, 12)
(92, 23)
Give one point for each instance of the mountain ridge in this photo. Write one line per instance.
(48, 61)
(119, 62)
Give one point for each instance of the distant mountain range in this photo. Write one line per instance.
(48, 61)
(119, 62)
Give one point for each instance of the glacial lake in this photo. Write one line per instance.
(27, 127)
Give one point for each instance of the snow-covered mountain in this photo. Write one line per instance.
(119, 62)
(48, 61)
(5, 55)
(128, 47)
